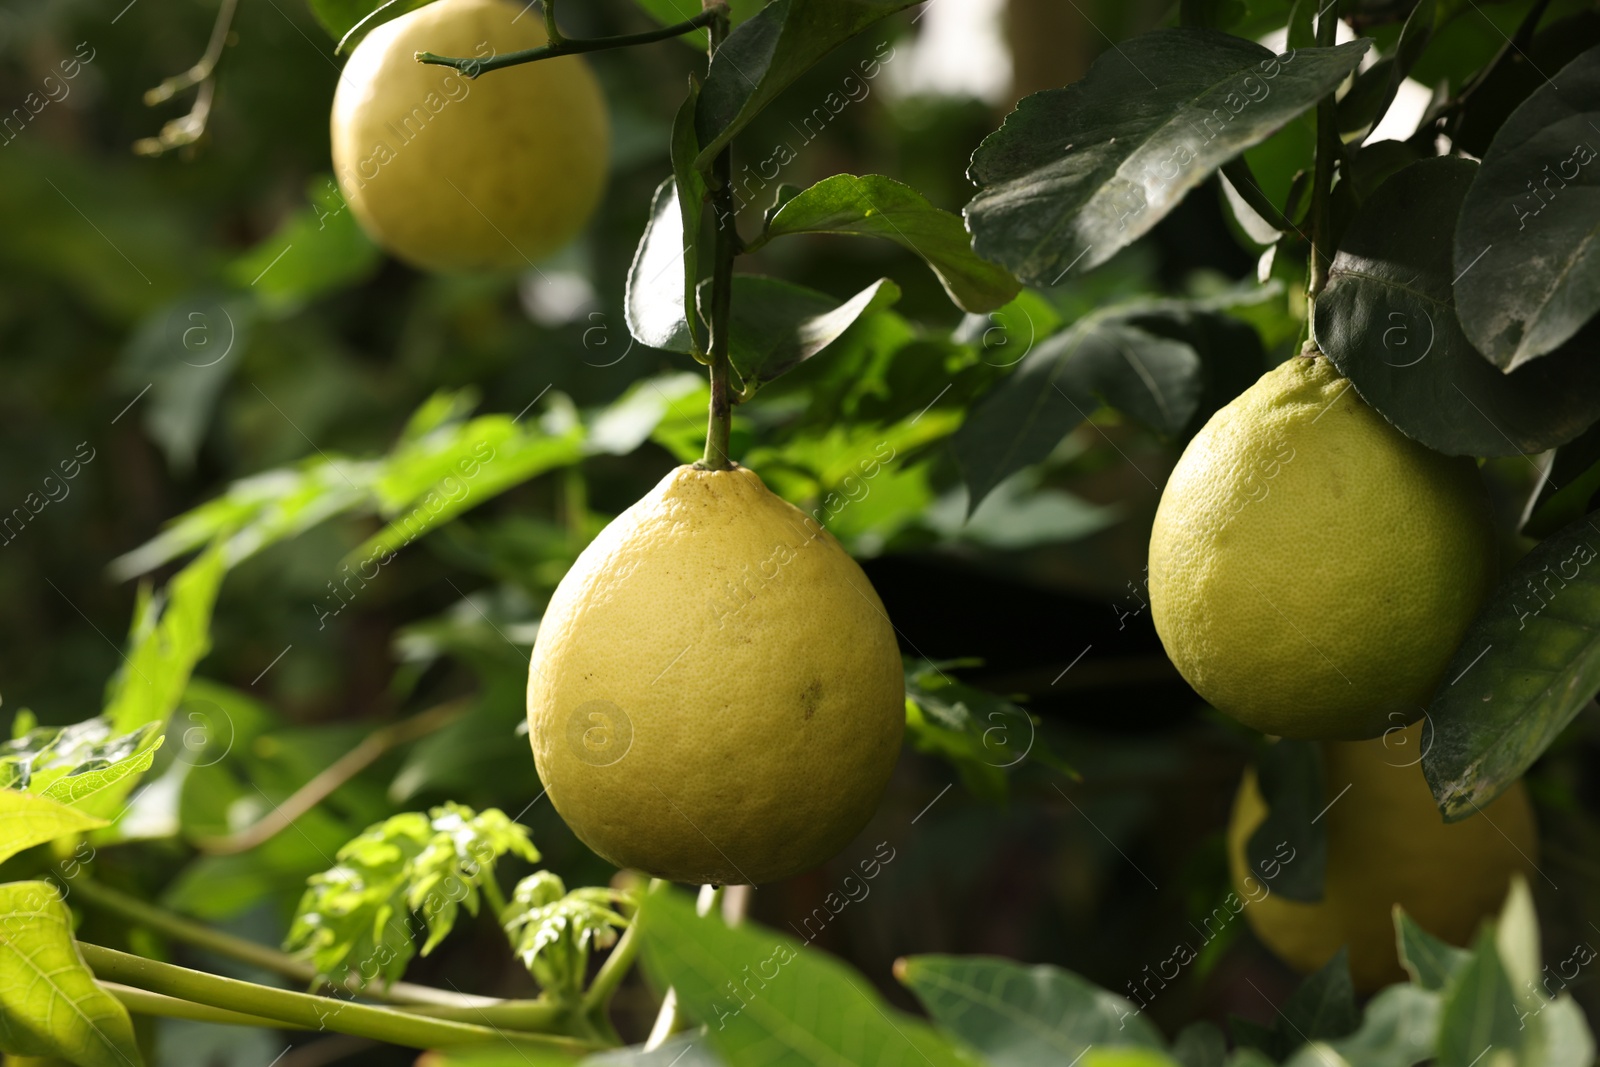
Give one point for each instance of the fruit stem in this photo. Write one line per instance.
(725, 248)
(569, 46)
(1322, 178)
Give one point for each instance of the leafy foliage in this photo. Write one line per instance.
(50, 1004)
(1289, 776)
(1077, 173)
(27, 820)
(1527, 251)
(1526, 667)
(355, 920)
(553, 931)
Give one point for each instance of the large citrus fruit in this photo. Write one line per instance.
(1387, 845)
(1312, 569)
(715, 694)
(451, 173)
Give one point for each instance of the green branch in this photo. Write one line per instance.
(417, 999)
(569, 46)
(304, 1009)
(1322, 178)
(144, 1002)
(726, 245)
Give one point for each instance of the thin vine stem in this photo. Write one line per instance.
(551, 31)
(571, 46)
(143, 1002)
(418, 999)
(304, 1009)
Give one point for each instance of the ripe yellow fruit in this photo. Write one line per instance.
(716, 695)
(1311, 568)
(1387, 845)
(455, 174)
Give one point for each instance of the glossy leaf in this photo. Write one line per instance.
(1388, 320)
(768, 52)
(875, 206)
(1430, 962)
(1360, 114)
(1020, 1016)
(654, 306)
(1527, 665)
(1289, 776)
(1569, 478)
(776, 325)
(1102, 358)
(27, 820)
(690, 186)
(1324, 1006)
(98, 785)
(50, 1004)
(793, 1005)
(1077, 173)
(1527, 243)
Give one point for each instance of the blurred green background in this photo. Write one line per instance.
(196, 318)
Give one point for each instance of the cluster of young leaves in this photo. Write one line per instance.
(357, 920)
(553, 931)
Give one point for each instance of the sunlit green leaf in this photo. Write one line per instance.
(50, 1004)
(875, 206)
(552, 931)
(27, 820)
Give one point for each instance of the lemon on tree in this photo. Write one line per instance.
(1311, 568)
(1387, 845)
(715, 694)
(451, 173)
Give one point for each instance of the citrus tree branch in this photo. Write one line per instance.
(570, 46)
(304, 1009)
(719, 423)
(330, 779)
(1322, 178)
(551, 30)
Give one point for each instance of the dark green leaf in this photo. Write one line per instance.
(1289, 775)
(1077, 173)
(1324, 1007)
(682, 1050)
(1569, 478)
(1398, 1029)
(27, 820)
(768, 52)
(50, 1004)
(1101, 358)
(876, 206)
(1364, 106)
(1388, 321)
(1214, 14)
(1020, 1016)
(655, 307)
(1527, 665)
(1302, 23)
(1527, 243)
(771, 1000)
(776, 325)
(1512, 81)
(1430, 962)
(1267, 1040)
